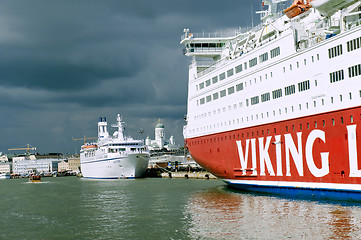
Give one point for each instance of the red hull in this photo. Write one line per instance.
(324, 148)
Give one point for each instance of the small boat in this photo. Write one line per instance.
(34, 178)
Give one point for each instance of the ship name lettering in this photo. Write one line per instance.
(292, 151)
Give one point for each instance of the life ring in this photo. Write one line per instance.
(319, 39)
(190, 35)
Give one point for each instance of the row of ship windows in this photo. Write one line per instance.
(332, 52)
(274, 131)
(304, 62)
(351, 45)
(253, 62)
(339, 75)
(302, 86)
(276, 94)
(262, 115)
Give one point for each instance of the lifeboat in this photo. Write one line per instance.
(89, 146)
(297, 7)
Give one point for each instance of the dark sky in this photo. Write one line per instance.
(63, 64)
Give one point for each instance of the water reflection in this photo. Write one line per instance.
(222, 214)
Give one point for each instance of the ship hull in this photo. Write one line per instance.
(318, 154)
(116, 167)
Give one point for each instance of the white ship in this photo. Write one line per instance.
(277, 108)
(113, 157)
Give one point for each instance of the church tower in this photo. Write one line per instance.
(159, 134)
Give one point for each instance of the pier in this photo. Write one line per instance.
(193, 175)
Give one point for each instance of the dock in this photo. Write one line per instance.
(186, 175)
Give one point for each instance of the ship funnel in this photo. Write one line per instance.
(102, 128)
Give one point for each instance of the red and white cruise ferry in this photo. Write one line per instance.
(277, 108)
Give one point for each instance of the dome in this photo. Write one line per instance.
(159, 125)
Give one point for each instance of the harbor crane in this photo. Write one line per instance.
(84, 139)
(28, 148)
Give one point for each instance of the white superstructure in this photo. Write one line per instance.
(285, 68)
(114, 156)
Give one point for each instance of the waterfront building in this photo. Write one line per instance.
(47, 165)
(160, 142)
(63, 166)
(74, 164)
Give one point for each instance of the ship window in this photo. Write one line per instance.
(308, 125)
(353, 44)
(304, 61)
(315, 124)
(275, 130)
(331, 99)
(298, 64)
(209, 98)
(336, 76)
(286, 128)
(341, 120)
(265, 97)
(262, 132)
(323, 122)
(208, 82)
(350, 95)
(302, 86)
(293, 127)
(290, 67)
(333, 121)
(323, 101)
(253, 62)
(314, 103)
(340, 98)
(263, 57)
(335, 51)
(300, 107)
(354, 71)
(201, 85)
(315, 83)
(245, 66)
(215, 79)
(300, 126)
(239, 68)
(230, 72)
(239, 87)
(197, 87)
(351, 118)
(201, 101)
(313, 58)
(254, 100)
(223, 93)
(268, 131)
(247, 105)
(277, 93)
(222, 76)
(275, 52)
(290, 90)
(306, 105)
(230, 90)
(215, 96)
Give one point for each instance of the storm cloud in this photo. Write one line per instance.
(63, 64)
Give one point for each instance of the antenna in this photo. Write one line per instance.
(252, 13)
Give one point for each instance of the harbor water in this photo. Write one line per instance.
(154, 208)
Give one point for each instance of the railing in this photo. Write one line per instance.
(201, 49)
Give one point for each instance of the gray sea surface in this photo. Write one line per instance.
(152, 208)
